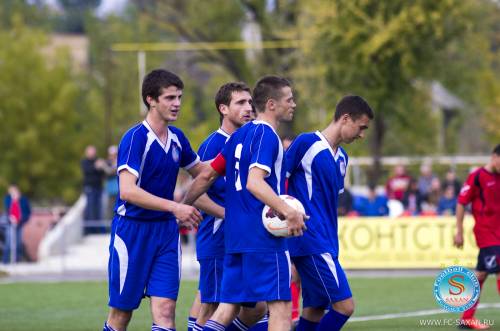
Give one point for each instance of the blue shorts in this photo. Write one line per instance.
(144, 260)
(252, 277)
(210, 279)
(323, 280)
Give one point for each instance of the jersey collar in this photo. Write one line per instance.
(335, 154)
(165, 147)
(263, 122)
(224, 133)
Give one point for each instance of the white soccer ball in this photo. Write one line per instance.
(276, 226)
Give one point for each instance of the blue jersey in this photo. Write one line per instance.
(316, 177)
(155, 165)
(210, 236)
(255, 144)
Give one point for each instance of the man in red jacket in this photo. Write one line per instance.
(482, 191)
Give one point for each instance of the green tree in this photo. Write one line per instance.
(386, 51)
(39, 99)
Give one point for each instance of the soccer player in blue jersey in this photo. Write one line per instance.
(256, 264)
(233, 101)
(316, 165)
(145, 248)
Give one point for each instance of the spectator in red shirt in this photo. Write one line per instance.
(18, 212)
(482, 191)
(397, 185)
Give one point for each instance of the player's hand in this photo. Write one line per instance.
(296, 222)
(188, 216)
(458, 240)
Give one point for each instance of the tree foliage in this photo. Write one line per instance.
(38, 116)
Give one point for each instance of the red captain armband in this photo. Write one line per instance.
(219, 164)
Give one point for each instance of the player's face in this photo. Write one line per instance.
(168, 104)
(285, 106)
(239, 111)
(495, 161)
(353, 129)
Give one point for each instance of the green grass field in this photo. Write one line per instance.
(80, 306)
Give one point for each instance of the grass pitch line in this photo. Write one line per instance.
(413, 313)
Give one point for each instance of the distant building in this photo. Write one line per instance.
(76, 44)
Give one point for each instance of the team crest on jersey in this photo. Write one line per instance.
(342, 167)
(175, 153)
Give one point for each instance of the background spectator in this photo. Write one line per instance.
(412, 200)
(345, 203)
(448, 202)
(111, 180)
(450, 179)
(93, 170)
(429, 207)
(397, 185)
(18, 212)
(425, 180)
(373, 204)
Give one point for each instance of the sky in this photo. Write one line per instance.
(106, 7)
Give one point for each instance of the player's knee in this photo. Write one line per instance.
(163, 310)
(207, 310)
(345, 307)
(118, 318)
(481, 276)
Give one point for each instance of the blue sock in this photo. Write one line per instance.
(107, 327)
(237, 325)
(213, 326)
(156, 327)
(191, 321)
(306, 325)
(332, 321)
(261, 325)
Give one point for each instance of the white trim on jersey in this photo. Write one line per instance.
(287, 253)
(331, 265)
(279, 160)
(278, 270)
(151, 138)
(129, 169)
(192, 164)
(307, 161)
(335, 154)
(121, 250)
(217, 224)
(224, 133)
(128, 155)
(179, 255)
(261, 166)
(121, 210)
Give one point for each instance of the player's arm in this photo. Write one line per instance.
(204, 202)
(465, 197)
(257, 185)
(130, 192)
(204, 179)
(458, 240)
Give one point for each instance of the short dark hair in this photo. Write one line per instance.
(353, 105)
(496, 150)
(225, 92)
(157, 80)
(268, 87)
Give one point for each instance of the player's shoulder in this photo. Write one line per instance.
(307, 138)
(176, 130)
(138, 131)
(216, 137)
